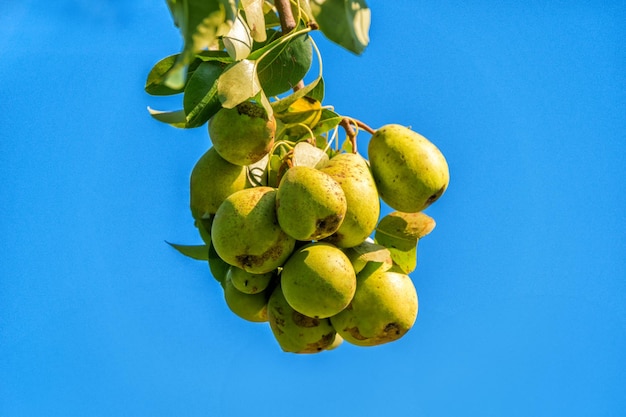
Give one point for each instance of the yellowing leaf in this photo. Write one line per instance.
(400, 233)
(238, 42)
(238, 83)
(255, 18)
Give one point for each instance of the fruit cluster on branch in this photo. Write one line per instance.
(290, 218)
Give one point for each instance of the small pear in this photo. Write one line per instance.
(212, 180)
(383, 309)
(296, 332)
(411, 173)
(247, 282)
(352, 173)
(250, 307)
(245, 232)
(310, 205)
(244, 134)
(318, 280)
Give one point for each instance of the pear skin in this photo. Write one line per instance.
(410, 172)
(352, 173)
(310, 205)
(244, 134)
(318, 280)
(212, 180)
(250, 307)
(384, 309)
(296, 332)
(246, 234)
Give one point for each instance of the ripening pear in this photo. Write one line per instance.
(310, 205)
(383, 309)
(318, 280)
(250, 307)
(296, 332)
(212, 180)
(352, 173)
(410, 171)
(244, 134)
(249, 283)
(246, 234)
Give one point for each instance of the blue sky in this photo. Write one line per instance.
(521, 284)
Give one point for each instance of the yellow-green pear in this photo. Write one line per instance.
(382, 310)
(352, 173)
(296, 332)
(250, 307)
(410, 171)
(244, 134)
(310, 205)
(249, 283)
(246, 234)
(212, 180)
(318, 280)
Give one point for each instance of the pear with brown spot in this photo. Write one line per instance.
(245, 232)
(411, 173)
(310, 204)
(296, 332)
(383, 309)
(352, 173)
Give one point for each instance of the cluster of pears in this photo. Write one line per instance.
(287, 249)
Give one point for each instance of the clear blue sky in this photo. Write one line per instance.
(522, 284)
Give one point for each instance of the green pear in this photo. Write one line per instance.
(318, 280)
(310, 205)
(244, 134)
(250, 307)
(352, 173)
(246, 234)
(383, 309)
(296, 332)
(247, 282)
(411, 173)
(212, 180)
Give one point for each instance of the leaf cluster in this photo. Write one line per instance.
(234, 51)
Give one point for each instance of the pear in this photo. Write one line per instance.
(244, 134)
(246, 234)
(383, 309)
(296, 332)
(318, 280)
(212, 180)
(411, 173)
(250, 307)
(310, 205)
(247, 282)
(352, 173)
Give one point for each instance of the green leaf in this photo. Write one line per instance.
(197, 252)
(329, 120)
(174, 118)
(201, 23)
(345, 22)
(317, 93)
(285, 65)
(282, 105)
(217, 265)
(154, 84)
(400, 233)
(201, 100)
(238, 83)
